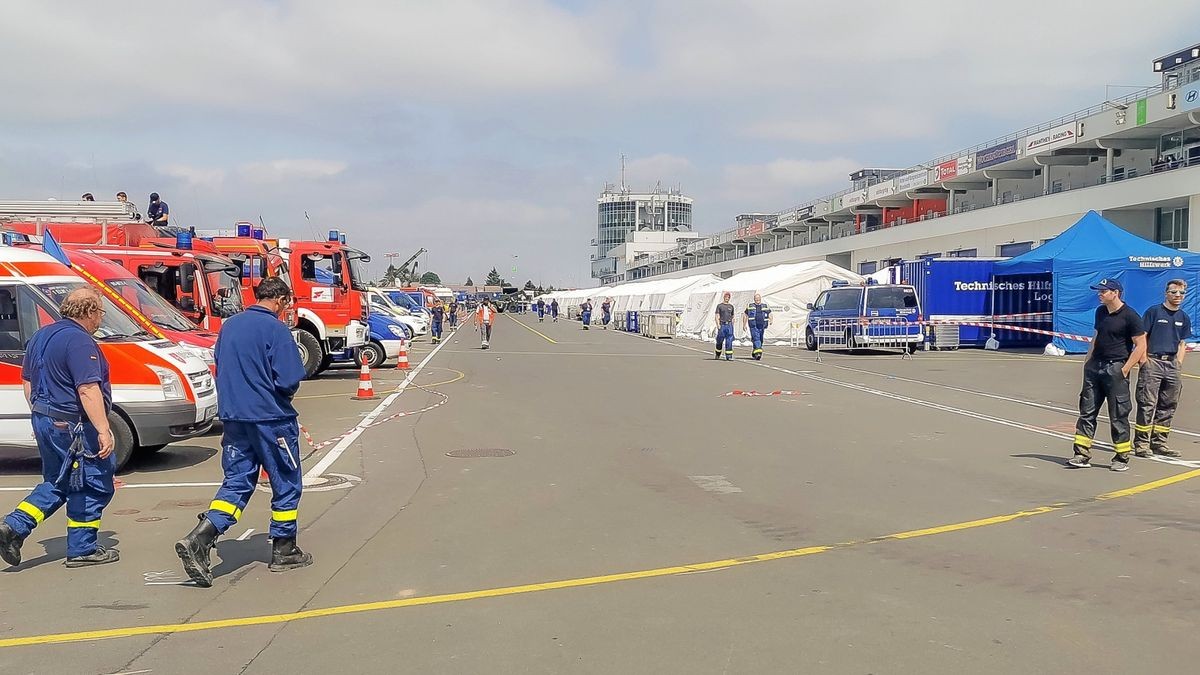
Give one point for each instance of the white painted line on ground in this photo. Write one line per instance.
(333, 455)
(717, 484)
(246, 534)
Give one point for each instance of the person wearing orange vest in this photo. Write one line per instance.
(485, 316)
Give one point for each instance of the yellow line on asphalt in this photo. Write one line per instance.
(544, 336)
(237, 622)
(460, 376)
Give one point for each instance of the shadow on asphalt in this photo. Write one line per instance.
(171, 457)
(236, 554)
(1060, 460)
(56, 549)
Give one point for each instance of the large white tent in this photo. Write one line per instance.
(786, 289)
(672, 294)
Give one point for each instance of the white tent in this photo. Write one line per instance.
(786, 289)
(672, 294)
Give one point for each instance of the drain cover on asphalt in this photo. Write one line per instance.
(481, 452)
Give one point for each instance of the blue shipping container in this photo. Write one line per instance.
(960, 289)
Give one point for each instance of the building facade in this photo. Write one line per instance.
(631, 226)
(1136, 160)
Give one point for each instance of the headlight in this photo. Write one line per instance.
(396, 330)
(203, 353)
(172, 386)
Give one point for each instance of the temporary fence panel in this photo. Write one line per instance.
(863, 333)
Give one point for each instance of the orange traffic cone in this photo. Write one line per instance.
(402, 360)
(263, 478)
(366, 390)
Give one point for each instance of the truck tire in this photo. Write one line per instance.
(311, 353)
(810, 340)
(122, 438)
(372, 353)
(325, 363)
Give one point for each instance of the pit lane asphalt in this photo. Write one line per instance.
(629, 459)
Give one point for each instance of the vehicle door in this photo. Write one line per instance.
(892, 311)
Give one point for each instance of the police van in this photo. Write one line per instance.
(855, 316)
(161, 392)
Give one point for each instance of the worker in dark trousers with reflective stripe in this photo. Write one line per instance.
(757, 319)
(1159, 382)
(67, 387)
(585, 313)
(1119, 344)
(258, 373)
(724, 316)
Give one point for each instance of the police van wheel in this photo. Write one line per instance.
(810, 340)
(122, 439)
(310, 352)
(373, 354)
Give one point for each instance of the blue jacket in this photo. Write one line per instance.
(258, 368)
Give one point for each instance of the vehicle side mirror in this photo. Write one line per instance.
(809, 306)
(187, 278)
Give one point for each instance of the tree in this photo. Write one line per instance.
(431, 278)
(529, 286)
(493, 278)
(469, 282)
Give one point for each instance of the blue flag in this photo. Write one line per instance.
(49, 245)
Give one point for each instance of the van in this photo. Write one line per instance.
(161, 392)
(848, 317)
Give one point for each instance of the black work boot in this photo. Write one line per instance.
(286, 555)
(193, 551)
(10, 545)
(101, 556)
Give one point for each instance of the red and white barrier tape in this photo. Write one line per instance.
(406, 413)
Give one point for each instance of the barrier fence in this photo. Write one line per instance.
(863, 333)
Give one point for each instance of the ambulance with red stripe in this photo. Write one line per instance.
(162, 393)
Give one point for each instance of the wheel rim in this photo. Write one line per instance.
(370, 354)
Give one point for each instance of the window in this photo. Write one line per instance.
(927, 256)
(843, 298)
(10, 329)
(892, 297)
(867, 267)
(963, 253)
(1014, 249)
(1172, 227)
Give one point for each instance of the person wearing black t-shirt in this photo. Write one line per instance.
(1159, 383)
(1119, 344)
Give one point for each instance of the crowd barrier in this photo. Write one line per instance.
(863, 333)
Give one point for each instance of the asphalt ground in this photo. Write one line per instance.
(890, 515)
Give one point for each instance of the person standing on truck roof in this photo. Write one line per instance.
(724, 316)
(437, 314)
(158, 213)
(554, 311)
(87, 197)
(258, 372)
(124, 199)
(757, 318)
(1159, 382)
(66, 382)
(1119, 344)
(485, 316)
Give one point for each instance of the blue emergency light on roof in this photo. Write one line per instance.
(333, 235)
(259, 233)
(838, 283)
(183, 241)
(243, 230)
(342, 237)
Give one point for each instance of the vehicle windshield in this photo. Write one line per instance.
(160, 312)
(225, 292)
(401, 299)
(891, 297)
(843, 298)
(115, 323)
(358, 269)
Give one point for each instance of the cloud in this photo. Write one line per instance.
(783, 182)
(856, 126)
(666, 168)
(285, 170)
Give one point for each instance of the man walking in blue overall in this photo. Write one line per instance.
(554, 311)
(66, 384)
(606, 312)
(258, 373)
(758, 317)
(541, 309)
(437, 314)
(725, 328)
(585, 313)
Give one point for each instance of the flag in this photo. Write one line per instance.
(49, 245)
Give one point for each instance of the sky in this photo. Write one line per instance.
(484, 130)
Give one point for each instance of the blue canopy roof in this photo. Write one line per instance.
(1094, 249)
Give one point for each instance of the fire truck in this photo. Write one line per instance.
(329, 282)
(161, 393)
(192, 275)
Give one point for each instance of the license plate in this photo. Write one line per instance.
(210, 412)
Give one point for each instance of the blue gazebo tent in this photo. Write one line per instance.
(1094, 249)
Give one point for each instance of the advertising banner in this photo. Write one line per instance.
(1189, 97)
(854, 198)
(997, 154)
(881, 190)
(1045, 141)
(913, 179)
(954, 168)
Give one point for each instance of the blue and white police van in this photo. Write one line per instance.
(856, 316)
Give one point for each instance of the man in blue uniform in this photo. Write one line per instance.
(541, 309)
(258, 373)
(452, 314)
(158, 213)
(606, 312)
(554, 311)
(758, 317)
(585, 313)
(724, 315)
(437, 314)
(1159, 382)
(67, 386)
